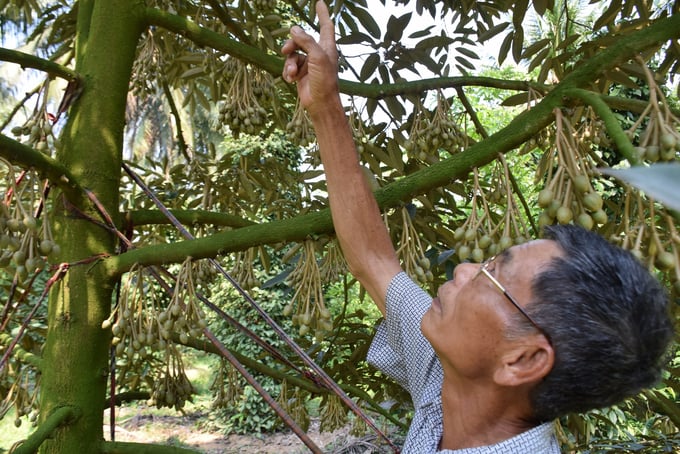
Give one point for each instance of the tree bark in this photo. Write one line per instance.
(77, 348)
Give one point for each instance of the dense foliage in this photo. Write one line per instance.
(122, 119)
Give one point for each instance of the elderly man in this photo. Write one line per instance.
(566, 323)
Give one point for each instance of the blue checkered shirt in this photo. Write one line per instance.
(401, 351)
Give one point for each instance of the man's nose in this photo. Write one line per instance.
(463, 272)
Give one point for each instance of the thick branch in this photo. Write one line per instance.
(28, 158)
(129, 396)
(518, 131)
(31, 61)
(295, 229)
(274, 64)
(186, 217)
(61, 416)
(120, 447)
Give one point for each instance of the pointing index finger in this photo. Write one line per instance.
(326, 27)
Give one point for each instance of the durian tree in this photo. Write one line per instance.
(125, 199)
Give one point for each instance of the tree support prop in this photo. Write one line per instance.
(60, 417)
(119, 447)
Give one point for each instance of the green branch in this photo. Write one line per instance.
(178, 121)
(288, 230)
(186, 217)
(59, 417)
(129, 396)
(24, 156)
(274, 64)
(29, 94)
(633, 105)
(440, 174)
(206, 37)
(612, 124)
(31, 61)
(120, 447)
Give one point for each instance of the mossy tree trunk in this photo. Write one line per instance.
(77, 348)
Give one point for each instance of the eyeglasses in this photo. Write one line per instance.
(484, 269)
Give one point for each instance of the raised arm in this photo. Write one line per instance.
(358, 223)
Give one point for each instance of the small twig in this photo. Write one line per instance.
(611, 123)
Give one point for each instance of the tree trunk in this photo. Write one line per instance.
(77, 349)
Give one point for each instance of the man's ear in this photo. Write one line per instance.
(525, 361)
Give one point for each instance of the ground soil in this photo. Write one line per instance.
(135, 425)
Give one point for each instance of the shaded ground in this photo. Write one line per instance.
(187, 431)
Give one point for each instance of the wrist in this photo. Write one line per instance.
(328, 113)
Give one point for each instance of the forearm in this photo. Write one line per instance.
(362, 234)
(358, 222)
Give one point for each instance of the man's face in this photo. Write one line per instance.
(467, 321)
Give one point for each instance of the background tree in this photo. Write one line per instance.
(152, 88)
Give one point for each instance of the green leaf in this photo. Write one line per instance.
(468, 53)
(464, 62)
(540, 6)
(609, 15)
(193, 72)
(493, 31)
(356, 38)
(569, 41)
(659, 181)
(434, 42)
(396, 27)
(535, 47)
(368, 22)
(505, 48)
(395, 107)
(421, 33)
(519, 12)
(369, 67)
(539, 59)
(516, 100)
(517, 43)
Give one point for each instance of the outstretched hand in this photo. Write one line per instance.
(313, 65)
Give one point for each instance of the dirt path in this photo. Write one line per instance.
(186, 431)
